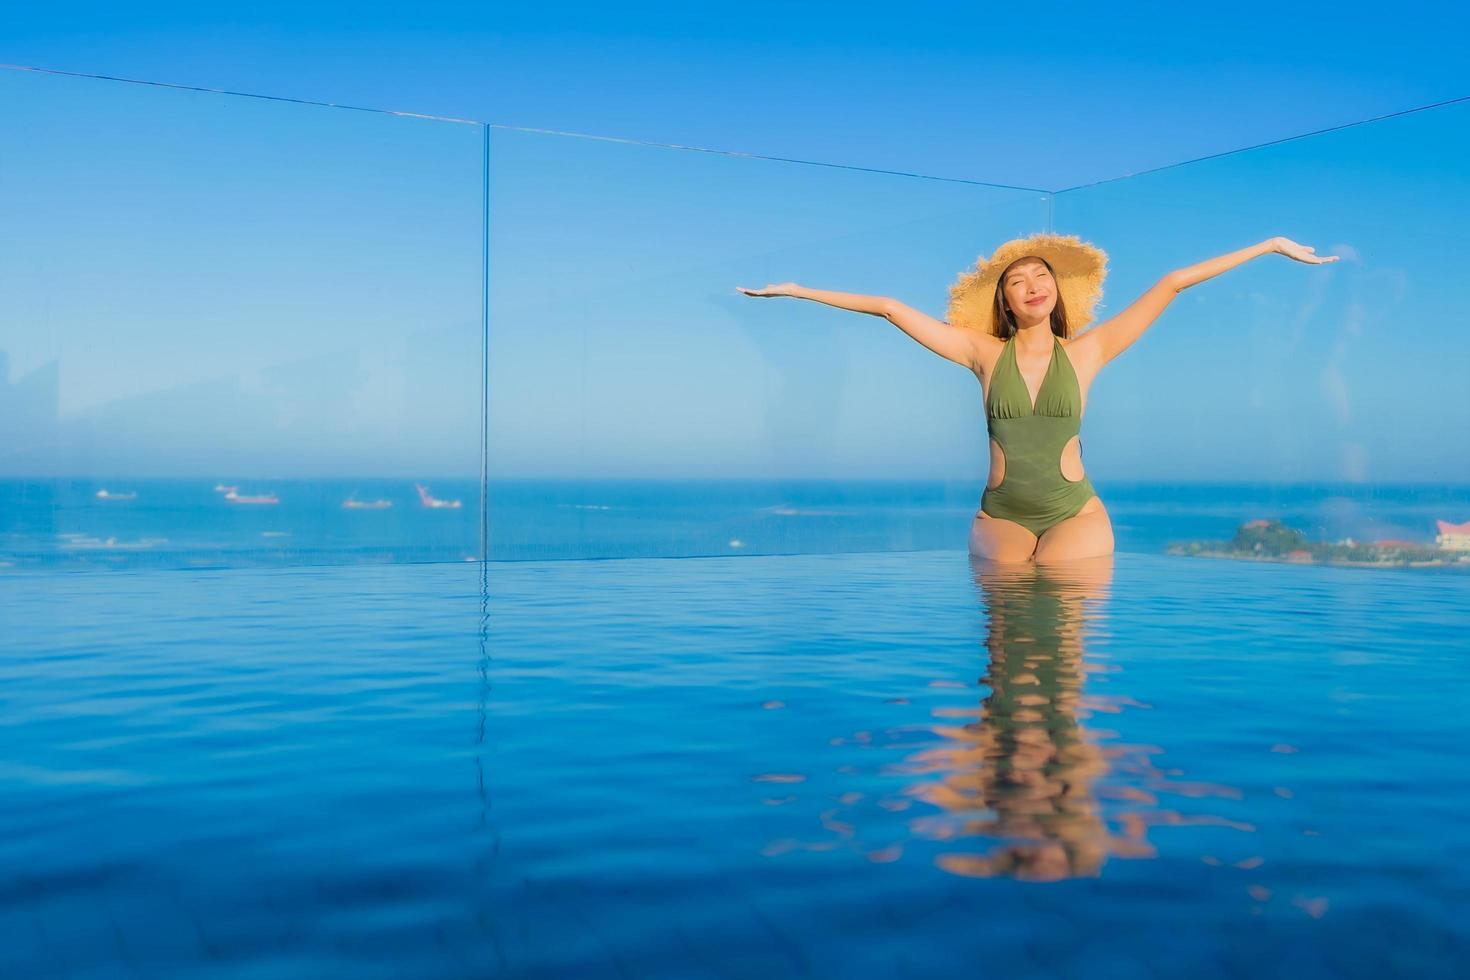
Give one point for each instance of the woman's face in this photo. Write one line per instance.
(1029, 290)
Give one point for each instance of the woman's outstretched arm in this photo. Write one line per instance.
(950, 342)
(1107, 340)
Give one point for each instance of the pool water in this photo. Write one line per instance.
(827, 766)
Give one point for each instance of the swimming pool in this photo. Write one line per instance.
(828, 765)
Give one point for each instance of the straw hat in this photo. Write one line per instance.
(1079, 268)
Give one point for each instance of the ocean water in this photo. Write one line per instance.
(841, 765)
(189, 523)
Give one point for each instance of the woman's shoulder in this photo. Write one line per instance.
(1082, 352)
(987, 351)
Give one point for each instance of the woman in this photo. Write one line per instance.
(1013, 321)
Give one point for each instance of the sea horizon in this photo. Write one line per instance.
(225, 521)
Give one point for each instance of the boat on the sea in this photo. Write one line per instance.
(105, 494)
(352, 503)
(235, 497)
(428, 500)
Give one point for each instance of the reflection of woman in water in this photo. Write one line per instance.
(1023, 773)
(1013, 322)
(1022, 789)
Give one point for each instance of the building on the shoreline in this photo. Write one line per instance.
(1453, 537)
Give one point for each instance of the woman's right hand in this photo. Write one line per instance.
(775, 289)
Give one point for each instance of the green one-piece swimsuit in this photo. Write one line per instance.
(1032, 491)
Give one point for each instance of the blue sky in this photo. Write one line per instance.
(1047, 95)
(295, 290)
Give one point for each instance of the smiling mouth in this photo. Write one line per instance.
(1033, 302)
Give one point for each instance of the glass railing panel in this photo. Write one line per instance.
(641, 405)
(1331, 398)
(204, 292)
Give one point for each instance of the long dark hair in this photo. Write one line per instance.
(1005, 322)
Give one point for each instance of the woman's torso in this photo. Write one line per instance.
(1033, 408)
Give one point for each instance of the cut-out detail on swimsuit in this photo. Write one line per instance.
(997, 466)
(1071, 462)
(1035, 436)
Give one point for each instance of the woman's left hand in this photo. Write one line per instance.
(1302, 253)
